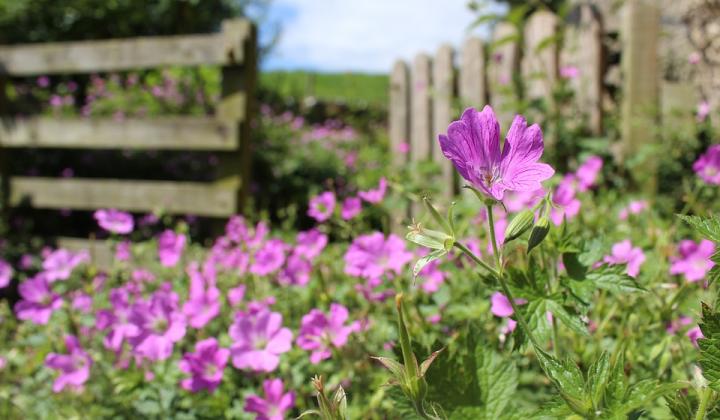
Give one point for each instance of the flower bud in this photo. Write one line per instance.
(538, 233)
(519, 225)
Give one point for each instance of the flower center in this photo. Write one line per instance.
(259, 343)
(160, 325)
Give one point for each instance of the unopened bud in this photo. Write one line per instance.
(519, 225)
(538, 233)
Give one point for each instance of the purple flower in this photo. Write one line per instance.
(123, 251)
(203, 305)
(569, 72)
(60, 264)
(521, 200)
(38, 302)
(376, 195)
(703, 110)
(205, 366)
(275, 404)
(74, 367)
(319, 332)
(351, 207)
(296, 271)
(564, 198)
(115, 221)
(117, 319)
(6, 273)
(675, 325)
(236, 295)
(694, 259)
(160, 324)
(310, 243)
(588, 172)
(634, 207)
(170, 247)
(322, 206)
(707, 166)
(269, 258)
(43, 81)
(371, 256)
(473, 146)
(258, 340)
(624, 253)
(500, 305)
(81, 302)
(694, 334)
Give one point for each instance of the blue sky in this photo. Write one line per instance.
(363, 35)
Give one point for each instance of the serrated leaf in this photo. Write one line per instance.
(571, 321)
(617, 383)
(597, 378)
(708, 227)
(679, 406)
(710, 346)
(498, 381)
(613, 279)
(644, 393)
(568, 379)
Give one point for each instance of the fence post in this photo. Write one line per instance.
(472, 74)
(399, 113)
(583, 50)
(639, 62)
(443, 93)
(540, 57)
(421, 118)
(502, 67)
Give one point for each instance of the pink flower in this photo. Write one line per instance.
(123, 251)
(170, 247)
(500, 305)
(569, 72)
(588, 172)
(624, 253)
(677, 324)
(258, 340)
(322, 206)
(564, 198)
(694, 259)
(117, 320)
(37, 302)
(521, 200)
(351, 207)
(473, 146)
(371, 256)
(236, 295)
(296, 271)
(694, 334)
(205, 365)
(403, 148)
(6, 273)
(694, 57)
(376, 195)
(43, 81)
(81, 302)
(707, 166)
(634, 207)
(115, 221)
(203, 304)
(269, 258)
(320, 332)
(159, 324)
(275, 404)
(703, 110)
(60, 264)
(310, 243)
(74, 367)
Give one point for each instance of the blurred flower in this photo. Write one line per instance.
(236, 295)
(37, 302)
(275, 404)
(117, 318)
(694, 259)
(320, 332)
(203, 304)
(322, 206)
(205, 365)
(296, 271)
(473, 145)
(159, 324)
(269, 258)
(258, 340)
(564, 198)
(500, 305)
(403, 148)
(588, 172)
(707, 166)
(677, 324)
(376, 195)
(310, 243)
(43, 81)
(81, 302)
(351, 207)
(74, 367)
(522, 200)
(624, 253)
(569, 72)
(634, 207)
(703, 110)
(431, 273)
(6, 273)
(60, 264)
(56, 101)
(694, 57)
(114, 221)
(123, 251)
(371, 256)
(694, 334)
(170, 247)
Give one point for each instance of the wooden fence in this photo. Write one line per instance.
(227, 132)
(426, 95)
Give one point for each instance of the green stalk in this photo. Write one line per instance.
(491, 222)
(702, 408)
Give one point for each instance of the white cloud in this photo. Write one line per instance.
(364, 35)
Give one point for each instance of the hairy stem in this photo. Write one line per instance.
(702, 408)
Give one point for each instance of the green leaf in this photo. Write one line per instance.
(568, 379)
(597, 378)
(644, 394)
(710, 346)
(708, 227)
(498, 381)
(422, 262)
(613, 279)
(574, 268)
(571, 321)
(680, 406)
(617, 383)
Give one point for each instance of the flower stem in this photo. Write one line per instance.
(491, 223)
(702, 408)
(475, 258)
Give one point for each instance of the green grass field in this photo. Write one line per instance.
(354, 88)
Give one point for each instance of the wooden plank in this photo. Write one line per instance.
(472, 88)
(101, 251)
(121, 54)
(540, 58)
(583, 50)
(174, 133)
(639, 33)
(421, 105)
(443, 92)
(197, 198)
(678, 102)
(399, 111)
(503, 65)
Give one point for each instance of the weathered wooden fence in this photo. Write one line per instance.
(425, 96)
(234, 48)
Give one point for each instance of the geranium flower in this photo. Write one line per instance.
(205, 365)
(320, 332)
(6, 273)
(170, 247)
(500, 305)
(588, 172)
(258, 340)
(522, 200)
(371, 256)
(322, 206)
(376, 195)
(296, 271)
(564, 198)
(569, 72)
(203, 304)
(707, 166)
(74, 367)
(275, 403)
(634, 207)
(115, 221)
(351, 207)
(38, 302)
(703, 110)
(473, 145)
(694, 334)
(310, 243)
(624, 253)
(160, 324)
(694, 259)
(60, 264)
(269, 258)
(123, 251)
(117, 319)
